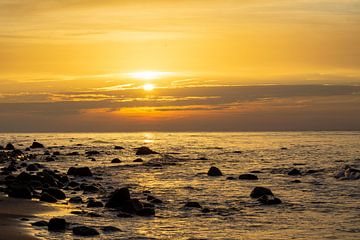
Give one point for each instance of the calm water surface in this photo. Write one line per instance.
(320, 207)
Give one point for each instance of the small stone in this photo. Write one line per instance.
(145, 151)
(94, 204)
(79, 171)
(138, 160)
(116, 160)
(192, 205)
(118, 148)
(294, 172)
(76, 199)
(110, 229)
(260, 191)
(248, 176)
(40, 224)
(214, 172)
(36, 145)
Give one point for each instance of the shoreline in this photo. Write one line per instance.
(12, 210)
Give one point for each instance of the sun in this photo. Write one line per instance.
(148, 87)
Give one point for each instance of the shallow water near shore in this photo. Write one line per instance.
(319, 207)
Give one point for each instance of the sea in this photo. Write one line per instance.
(318, 206)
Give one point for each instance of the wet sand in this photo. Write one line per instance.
(12, 210)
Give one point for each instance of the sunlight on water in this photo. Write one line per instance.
(319, 207)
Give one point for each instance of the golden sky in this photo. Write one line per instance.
(88, 60)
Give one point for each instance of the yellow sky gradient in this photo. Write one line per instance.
(82, 51)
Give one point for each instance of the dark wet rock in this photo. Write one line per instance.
(205, 210)
(203, 158)
(23, 164)
(9, 147)
(85, 231)
(192, 205)
(57, 153)
(78, 212)
(260, 191)
(108, 229)
(145, 151)
(348, 173)
(116, 160)
(46, 197)
(146, 212)
(40, 224)
(36, 145)
(269, 200)
(55, 192)
(73, 154)
(284, 148)
(153, 199)
(24, 177)
(76, 199)
(27, 149)
(294, 172)
(118, 148)
(313, 171)
(19, 191)
(214, 172)
(256, 171)
(248, 176)
(295, 181)
(89, 188)
(57, 224)
(93, 214)
(92, 153)
(237, 152)
(138, 160)
(73, 184)
(32, 168)
(50, 159)
(79, 171)
(94, 204)
(118, 198)
(46, 153)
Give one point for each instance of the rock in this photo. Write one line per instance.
(73, 154)
(76, 199)
(248, 176)
(146, 212)
(93, 214)
(296, 181)
(32, 168)
(40, 224)
(57, 224)
(203, 158)
(348, 173)
(205, 210)
(24, 177)
(138, 160)
(118, 148)
(94, 204)
(19, 191)
(36, 145)
(145, 151)
(85, 231)
(294, 172)
(153, 199)
(284, 148)
(118, 198)
(192, 205)
(260, 191)
(55, 192)
(79, 171)
(214, 172)
(9, 147)
(124, 215)
(46, 197)
(92, 153)
(116, 160)
(107, 229)
(269, 200)
(230, 178)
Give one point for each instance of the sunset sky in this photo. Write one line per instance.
(185, 65)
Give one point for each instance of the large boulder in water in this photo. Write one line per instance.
(258, 192)
(57, 224)
(145, 151)
(36, 145)
(214, 172)
(79, 171)
(118, 198)
(85, 231)
(18, 190)
(9, 146)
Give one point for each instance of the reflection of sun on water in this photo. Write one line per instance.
(148, 87)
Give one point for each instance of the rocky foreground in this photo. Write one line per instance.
(22, 179)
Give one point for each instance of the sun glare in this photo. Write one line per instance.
(148, 87)
(148, 75)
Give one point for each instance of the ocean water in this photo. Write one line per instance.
(320, 207)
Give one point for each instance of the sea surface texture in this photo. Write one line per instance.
(318, 206)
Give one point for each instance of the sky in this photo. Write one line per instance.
(185, 65)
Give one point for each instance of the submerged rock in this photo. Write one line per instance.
(145, 151)
(55, 192)
(76, 199)
(94, 204)
(40, 224)
(269, 200)
(110, 229)
(248, 176)
(192, 205)
(348, 173)
(116, 160)
(118, 148)
(85, 231)
(214, 172)
(46, 197)
(36, 145)
(79, 171)
(57, 224)
(138, 160)
(294, 172)
(260, 191)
